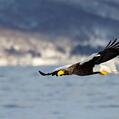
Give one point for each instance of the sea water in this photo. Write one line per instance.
(25, 94)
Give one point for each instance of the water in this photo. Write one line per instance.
(25, 94)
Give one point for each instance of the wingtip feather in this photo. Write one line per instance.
(43, 74)
(113, 44)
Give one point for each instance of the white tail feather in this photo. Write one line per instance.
(108, 66)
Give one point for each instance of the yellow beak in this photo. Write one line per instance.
(59, 73)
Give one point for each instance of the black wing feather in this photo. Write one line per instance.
(108, 45)
(112, 44)
(110, 52)
(46, 74)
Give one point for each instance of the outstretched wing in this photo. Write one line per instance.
(109, 52)
(58, 71)
(46, 74)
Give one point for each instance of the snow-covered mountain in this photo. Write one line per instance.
(55, 29)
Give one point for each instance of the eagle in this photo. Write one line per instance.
(98, 63)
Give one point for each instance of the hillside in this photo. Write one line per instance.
(37, 32)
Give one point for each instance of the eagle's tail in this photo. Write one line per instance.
(109, 67)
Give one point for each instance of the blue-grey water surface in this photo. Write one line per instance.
(25, 94)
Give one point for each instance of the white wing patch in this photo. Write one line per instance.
(63, 67)
(108, 66)
(86, 60)
(90, 58)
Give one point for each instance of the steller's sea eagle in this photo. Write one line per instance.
(98, 63)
